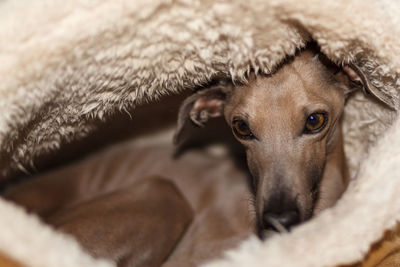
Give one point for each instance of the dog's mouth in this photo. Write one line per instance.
(274, 227)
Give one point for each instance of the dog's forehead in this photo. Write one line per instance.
(303, 75)
(301, 86)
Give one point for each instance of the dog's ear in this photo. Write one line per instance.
(201, 106)
(357, 76)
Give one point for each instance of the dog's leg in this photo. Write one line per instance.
(45, 195)
(136, 226)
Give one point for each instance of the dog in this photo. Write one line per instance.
(119, 203)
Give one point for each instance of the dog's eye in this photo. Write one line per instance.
(315, 122)
(241, 129)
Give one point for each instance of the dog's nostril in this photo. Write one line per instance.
(280, 221)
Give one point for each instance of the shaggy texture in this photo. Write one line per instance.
(67, 64)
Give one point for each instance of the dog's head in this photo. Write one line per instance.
(289, 124)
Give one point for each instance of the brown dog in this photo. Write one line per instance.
(289, 123)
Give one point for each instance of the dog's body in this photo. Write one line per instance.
(289, 123)
(152, 207)
(92, 200)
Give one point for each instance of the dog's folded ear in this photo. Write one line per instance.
(201, 106)
(356, 75)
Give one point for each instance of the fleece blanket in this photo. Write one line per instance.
(65, 65)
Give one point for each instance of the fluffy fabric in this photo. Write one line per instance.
(66, 64)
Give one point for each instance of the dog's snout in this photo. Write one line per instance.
(277, 221)
(280, 212)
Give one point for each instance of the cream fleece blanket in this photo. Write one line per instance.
(66, 64)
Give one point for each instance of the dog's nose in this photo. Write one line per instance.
(276, 221)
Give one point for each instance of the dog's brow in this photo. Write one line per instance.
(331, 79)
(242, 114)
